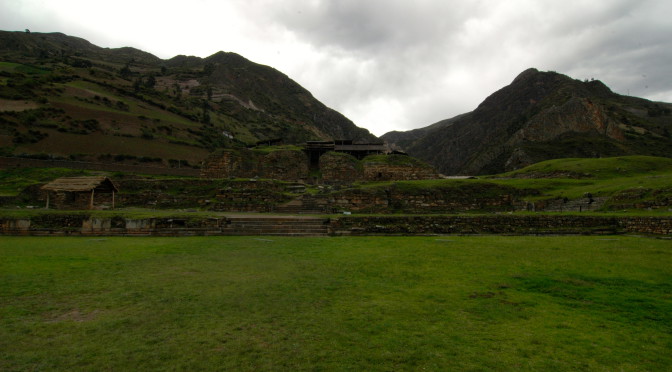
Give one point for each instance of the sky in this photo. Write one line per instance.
(388, 64)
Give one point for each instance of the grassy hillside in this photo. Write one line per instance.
(602, 168)
(629, 180)
(64, 97)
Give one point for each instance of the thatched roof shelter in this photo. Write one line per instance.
(79, 185)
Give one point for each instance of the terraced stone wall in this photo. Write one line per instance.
(486, 197)
(500, 224)
(286, 165)
(347, 225)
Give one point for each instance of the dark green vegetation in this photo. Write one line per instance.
(542, 116)
(479, 303)
(62, 96)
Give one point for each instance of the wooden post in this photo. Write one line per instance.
(91, 201)
(112, 198)
(47, 207)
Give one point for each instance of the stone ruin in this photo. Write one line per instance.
(318, 161)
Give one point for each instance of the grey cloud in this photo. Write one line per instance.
(415, 45)
(368, 27)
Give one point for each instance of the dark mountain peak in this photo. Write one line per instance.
(227, 58)
(525, 75)
(133, 55)
(598, 88)
(542, 115)
(182, 61)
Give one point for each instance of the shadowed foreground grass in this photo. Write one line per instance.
(365, 303)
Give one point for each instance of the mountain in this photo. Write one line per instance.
(541, 116)
(61, 96)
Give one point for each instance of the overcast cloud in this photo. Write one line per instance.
(388, 64)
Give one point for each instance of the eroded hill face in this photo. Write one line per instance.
(63, 96)
(540, 116)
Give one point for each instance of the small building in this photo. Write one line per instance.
(80, 192)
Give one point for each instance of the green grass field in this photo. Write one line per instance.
(356, 304)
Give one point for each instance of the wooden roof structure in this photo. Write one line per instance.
(82, 184)
(315, 149)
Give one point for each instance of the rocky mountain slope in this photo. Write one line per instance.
(541, 116)
(61, 96)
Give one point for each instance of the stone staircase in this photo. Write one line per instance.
(304, 204)
(276, 226)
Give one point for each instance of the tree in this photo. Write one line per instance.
(151, 82)
(206, 115)
(136, 84)
(125, 71)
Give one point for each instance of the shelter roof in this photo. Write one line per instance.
(74, 184)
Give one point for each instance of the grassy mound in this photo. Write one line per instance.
(601, 168)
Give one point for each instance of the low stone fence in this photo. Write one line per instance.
(500, 224)
(648, 225)
(81, 224)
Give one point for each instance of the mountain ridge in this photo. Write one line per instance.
(59, 91)
(541, 116)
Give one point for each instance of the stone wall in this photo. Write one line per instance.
(217, 195)
(221, 165)
(55, 224)
(397, 199)
(340, 167)
(641, 198)
(396, 168)
(293, 165)
(80, 224)
(500, 224)
(647, 225)
(286, 165)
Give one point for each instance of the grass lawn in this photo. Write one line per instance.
(355, 304)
